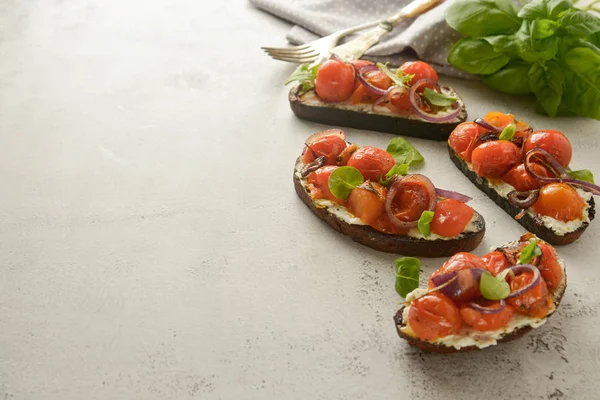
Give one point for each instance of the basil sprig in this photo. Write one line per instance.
(408, 270)
(305, 74)
(529, 252)
(399, 80)
(494, 287)
(343, 180)
(438, 99)
(424, 223)
(405, 155)
(508, 132)
(583, 175)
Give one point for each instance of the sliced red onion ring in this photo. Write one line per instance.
(481, 122)
(363, 79)
(449, 194)
(488, 310)
(464, 288)
(530, 197)
(313, 166)
(396, 188)
(562, 174)
(488, 137)
(328, 132)
(415, 101)
(519, 269)
(387, 99)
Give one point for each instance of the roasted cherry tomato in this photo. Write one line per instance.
(498, 120)
(559, 201)
(486, 322)
(420, 69)
(367, 202)
(358, 64)
(376, 78)
(549, 267)
(494, 159)
(335, 81)
(399, 102)
(433, 316)
(409, 204)
(451, 217)
(329, 146)
(520, 179)
(462, 139)
(534, 303)
(371, 162)
(495, 262)
(458, 262)
(554, 142)
(318, 184)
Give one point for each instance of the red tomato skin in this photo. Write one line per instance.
(534, 303)
(318, 184)
(495, 262)
(420, 69)
(458, 262)
(358, 64)
(554, 142)
(559, 201)
(329, 146)
(335, 81)
(371, 162)
(521, 180)
(462, 139)
(494, 159)
(376, 78)
(549, 267)
(409, 204)
(451, 217)
(433, 316)
(366, 205)
(486, 322)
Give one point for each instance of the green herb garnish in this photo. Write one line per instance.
(529, 252)
(305, 74)
(401, 169)
(424, 223)
(438, 99)
(508, 132)
(403, 152)
(343, 180)
(399, 80)
(407, 275)
(494, 287)
(583, 175)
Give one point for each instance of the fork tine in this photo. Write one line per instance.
(286, 49)
(296, 59)
(302, 53)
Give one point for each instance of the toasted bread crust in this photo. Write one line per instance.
(526, 221)
(439, 348)
(398, 244)
(327, 113)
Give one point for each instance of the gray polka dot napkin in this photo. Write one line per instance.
(427, 37)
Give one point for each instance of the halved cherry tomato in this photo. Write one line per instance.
(495, 262)
(534, 303)
(358, 64)
(318, 184)
(486, 322)
(384, 224)
(498, 119)
(559, 201)
(458, 262)
(520, 179)
(409, 204)
(554, 142)
(400, 102)
(433, 316)
(367, 205)
(549, 267)
(451, 217)
(329, 146)
(371, 162)
(335, 81)
(494, 159)
(462, 139)
(421, 70)
(376, 78)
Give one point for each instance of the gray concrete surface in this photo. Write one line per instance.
(152, 246)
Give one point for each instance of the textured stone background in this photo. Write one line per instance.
(152, 245)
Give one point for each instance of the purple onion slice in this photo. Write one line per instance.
(327, 132)
(363, 79)
(481, 122)
(397, 187)
(415, 102)
(523, 199)
(313, 166)
(519, 269)
(464, 288)
(449, 194)
(488, 310)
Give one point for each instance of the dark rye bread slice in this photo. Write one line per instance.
(398, 244)
(332, 114)
(424, 345)
(534, 226)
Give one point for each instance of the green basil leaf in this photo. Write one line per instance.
(305, 74)
(508, 132)
(510, 78)
(507, 44)
(538, 9)
(533, 50)
(546, 82)
(403, 152)
(476, 56)
(529, 252)
(398, 169)
(407, 275)
(580, 23)
(493, 288)
(399, 80)
(583, 174)
(438, 99)
(582, 82)
(424, 223)
(482, 17)
(543, 28)
(343, 180)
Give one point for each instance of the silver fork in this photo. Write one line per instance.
(320, 49)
